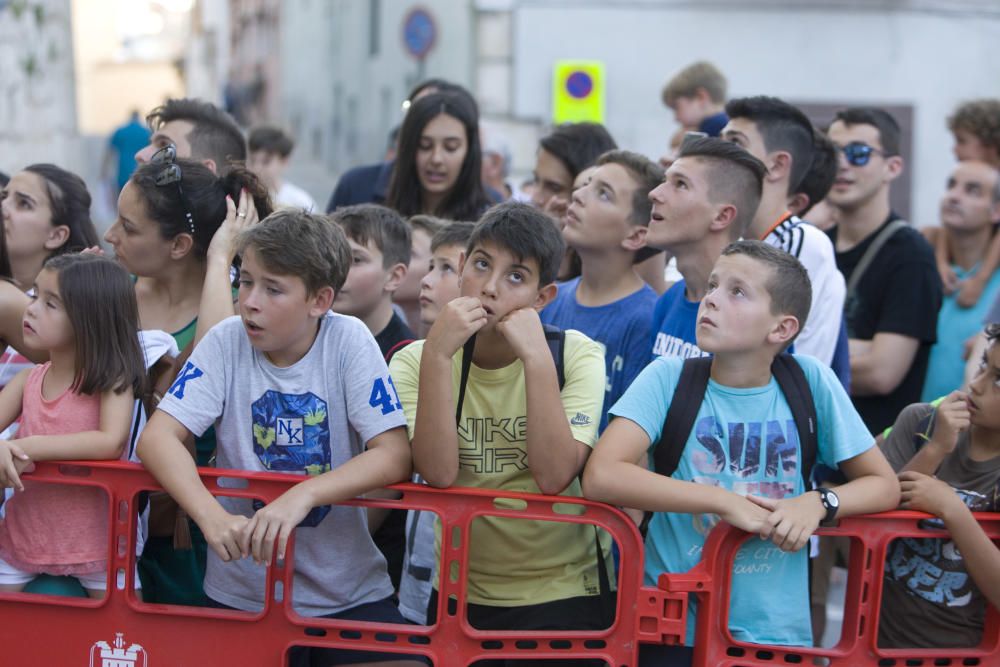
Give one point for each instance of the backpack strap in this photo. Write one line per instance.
(795, 387)
(870, 253)
(463, 378)
(690, 392)
(683, 411)
(556, 339)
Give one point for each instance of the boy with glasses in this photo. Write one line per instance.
(892, 303)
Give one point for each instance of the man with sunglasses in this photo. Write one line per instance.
(892, 304)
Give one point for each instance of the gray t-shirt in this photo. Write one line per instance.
(307, 418)
(928, 598)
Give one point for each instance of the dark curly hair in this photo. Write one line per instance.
(981, 119)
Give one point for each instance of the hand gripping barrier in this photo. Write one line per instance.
(120, 630)
(870, 537)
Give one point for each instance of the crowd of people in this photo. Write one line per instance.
(742, 330)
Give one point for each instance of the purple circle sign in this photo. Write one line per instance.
(579, 85)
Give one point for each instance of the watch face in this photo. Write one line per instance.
(832, 499)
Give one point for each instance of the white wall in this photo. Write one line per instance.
(342, 99)
(927, 57)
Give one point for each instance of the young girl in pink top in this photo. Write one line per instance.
(77, 406)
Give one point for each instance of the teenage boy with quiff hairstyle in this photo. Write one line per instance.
(522, 574)
(892, 313)
(780, 136)
(198, 130)
(606, 226)
(757, 296)
(706, 201)
(697, 95)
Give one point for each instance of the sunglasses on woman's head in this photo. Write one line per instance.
(171, 173)
(858, 154)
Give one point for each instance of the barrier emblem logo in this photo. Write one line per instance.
(115, 654)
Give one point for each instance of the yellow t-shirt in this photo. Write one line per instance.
(514, 562)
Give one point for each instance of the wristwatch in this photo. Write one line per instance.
(830, 502)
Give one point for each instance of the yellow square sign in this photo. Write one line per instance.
(578, 91)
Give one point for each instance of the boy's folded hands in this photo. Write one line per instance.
(223, 533)
(273, 523)
(790, 521)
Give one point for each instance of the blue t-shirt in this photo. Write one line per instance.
(945, 366)
(745, 440)
(128, 140)
(622, 327)
(675, 320)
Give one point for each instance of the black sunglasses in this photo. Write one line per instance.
(858, 154)
(170, 174)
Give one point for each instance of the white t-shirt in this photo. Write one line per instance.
(814, 249)
(307, 418)
(292, 196)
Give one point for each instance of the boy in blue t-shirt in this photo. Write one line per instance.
(741, 462)
(706, 201)
(606, 226)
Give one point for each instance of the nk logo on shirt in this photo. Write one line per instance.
(189, 372)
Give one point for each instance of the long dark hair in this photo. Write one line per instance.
(467, 199)
(201, 193)
(99, 299)
(69, 201)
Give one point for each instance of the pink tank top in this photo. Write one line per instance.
(56, 528)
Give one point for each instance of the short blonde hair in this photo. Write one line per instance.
(686, 83)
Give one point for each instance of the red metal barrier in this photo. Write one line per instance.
(121, 630)
(870, 539)
(46, 630)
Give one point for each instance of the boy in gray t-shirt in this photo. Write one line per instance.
(290, 388)
(935, 589)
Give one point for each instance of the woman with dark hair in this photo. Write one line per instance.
(174, 232)
(46, 212)
(438, 165)
(176, 219)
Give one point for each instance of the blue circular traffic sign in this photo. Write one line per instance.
(419, 32)
(579, 85)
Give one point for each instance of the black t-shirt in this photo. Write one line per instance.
(392, 335)
(900, 293)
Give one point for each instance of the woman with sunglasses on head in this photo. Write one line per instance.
(176, 219)
(174, 232)
(438, 168)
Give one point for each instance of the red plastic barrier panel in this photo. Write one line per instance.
(120, 630)
(870, 538)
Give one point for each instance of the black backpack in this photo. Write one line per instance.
(690, 392)
(556, 338)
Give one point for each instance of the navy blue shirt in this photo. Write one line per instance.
(362, 185)
(712, 125)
